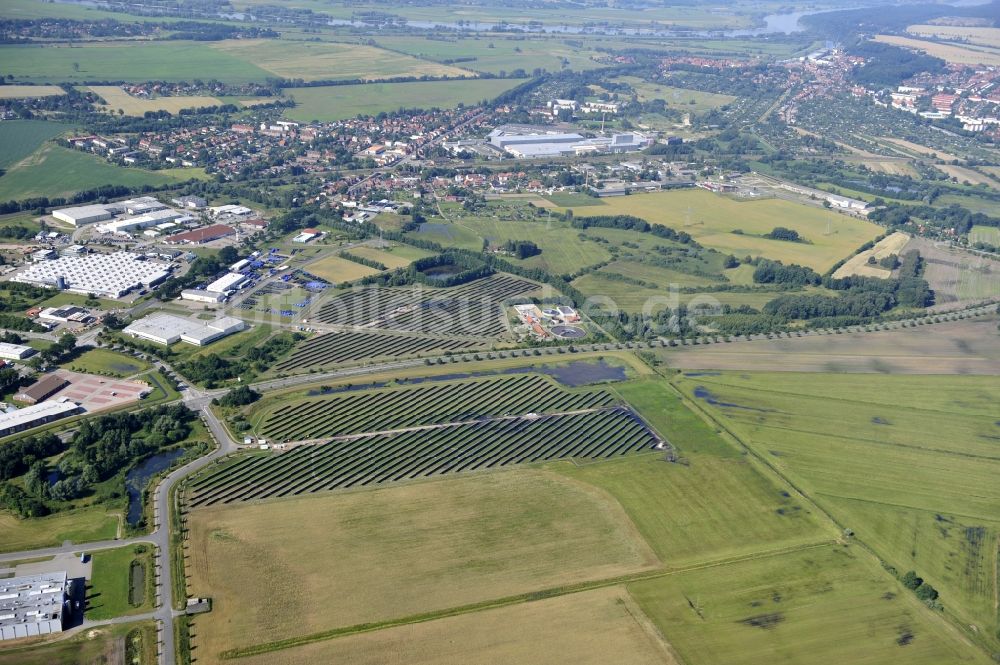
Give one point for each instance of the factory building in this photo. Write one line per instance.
(42, 389)
(528, 142)
(33, 416)
(14, 351)
(90, 214)
(142, 221)
(200, 295)
(33, 605)
(167, 329)
(227, 282)
(104, 275)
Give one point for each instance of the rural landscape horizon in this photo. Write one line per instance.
(382, 332)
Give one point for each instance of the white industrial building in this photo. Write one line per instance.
(89, 214)
(142, 221)
(227, 282)
(19, 420)
(81, 215)
(167, 329)
(230, 210)
(33, 605)
(200, 295)
(14, 351)
(528, 142)
(104, 275)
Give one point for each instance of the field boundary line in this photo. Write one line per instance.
(531, 596)
(949, 622)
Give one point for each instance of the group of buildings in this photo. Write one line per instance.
(530, 141)
(166, 329)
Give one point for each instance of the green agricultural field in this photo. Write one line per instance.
(20, 138)
(906, 462)
(395, 256)
(711, 220)
(632, 298)
(714, 506)
(145, 61)
(987, 234)
(495, 53)
(573, 200)
(323, 61)
(330, 103)
(116, 589)
(80, 525)
(108, 363)
(562, 251)
(449, 235)
(57, 171)
(390, 553)
(682, 99)
(828, 604)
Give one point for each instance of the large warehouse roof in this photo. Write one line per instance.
(38, 414)
(32, 605)
(107, 275)
(167, 329)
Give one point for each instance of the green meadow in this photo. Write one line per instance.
(907, 463)
(339, 102)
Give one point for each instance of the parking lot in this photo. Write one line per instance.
(96, 393)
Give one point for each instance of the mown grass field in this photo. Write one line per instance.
(20, 138)
(322, 61)
(80, 526)
(562, 251)
(108, 363)
(335, 269)
(715, 506)
(966, 347)
(830, 604)
(908, 462)
(599, 626)
(144, 61)
(56, 171)
(108, 592)
(390, 553)
(711, 220)
(987, 234)
(395, 256)
(950, 53)
(682, 99)
(338, 102)
(116, 99)
(496, 53)
(25, 91)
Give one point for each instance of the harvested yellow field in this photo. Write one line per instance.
(341, 559)
(335, 269)
(25, 91)
(594, 627)
(858, 264)
(328, 61)
(948, 52)
(964, 174)
(116, 99)
(892, 167)
(972, 35)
